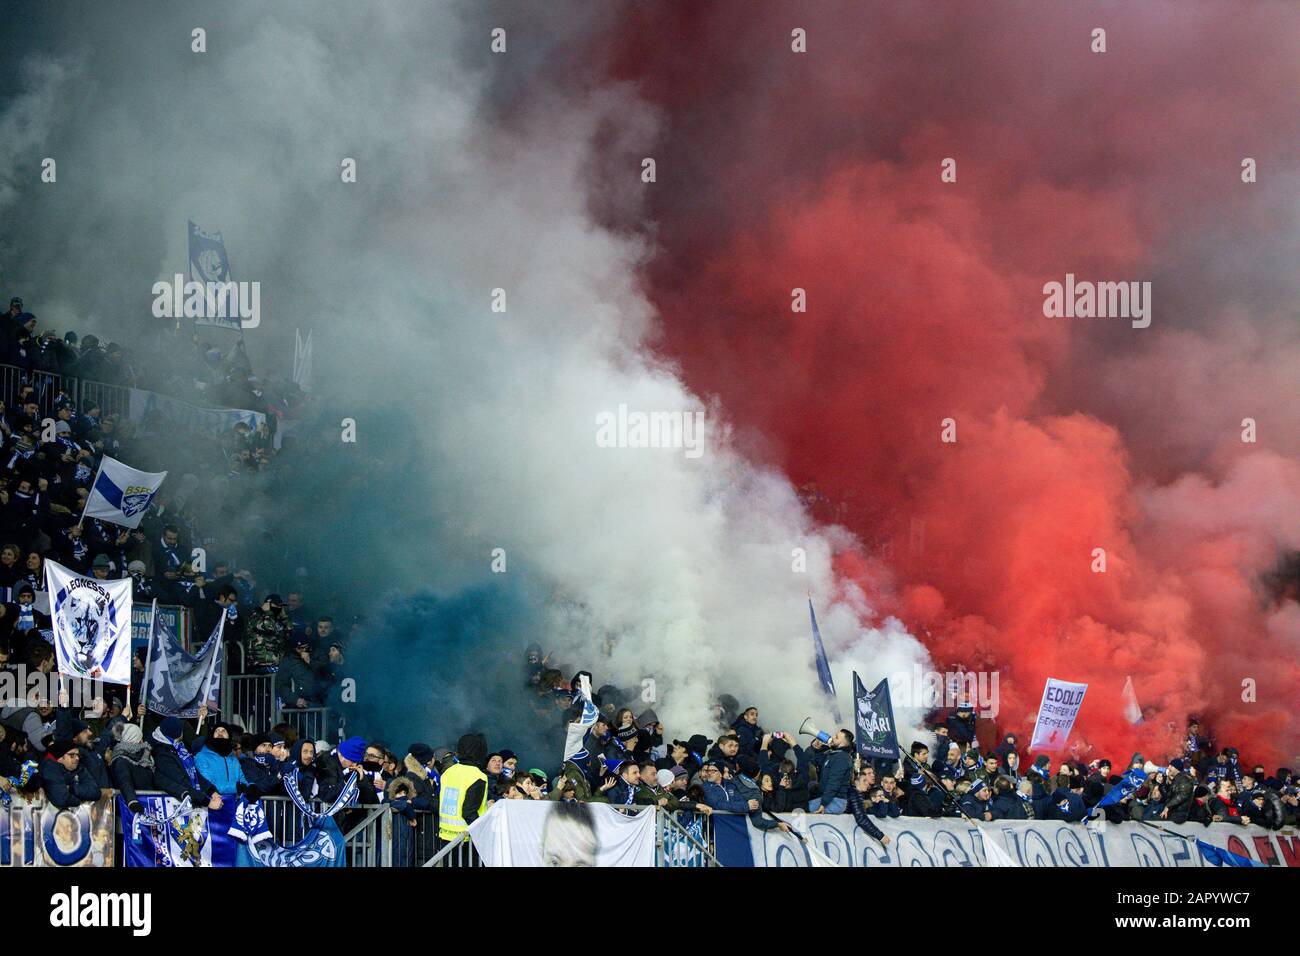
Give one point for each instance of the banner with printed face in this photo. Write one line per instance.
(91, 620)
(38, 834)
(1056, 714)
(549, 833)
(925, 842)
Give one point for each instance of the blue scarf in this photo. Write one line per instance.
(347, 796)
(187, 761)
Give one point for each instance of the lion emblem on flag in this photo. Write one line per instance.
(209, 265)
(135, 499)
(84, 615)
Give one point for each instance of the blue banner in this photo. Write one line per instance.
(875, 733)
(172, 833)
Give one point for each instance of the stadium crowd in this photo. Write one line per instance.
(625, 758)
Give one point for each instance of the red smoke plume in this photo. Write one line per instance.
(821, 171)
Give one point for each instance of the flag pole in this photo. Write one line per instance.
(207, 681)
(148, 660)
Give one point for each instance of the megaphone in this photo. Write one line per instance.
(809, 728)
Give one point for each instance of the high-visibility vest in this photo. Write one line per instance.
(456, 781)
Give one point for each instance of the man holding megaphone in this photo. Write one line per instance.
(836, 773)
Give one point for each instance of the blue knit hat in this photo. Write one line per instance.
(172, 728)
(353, 749)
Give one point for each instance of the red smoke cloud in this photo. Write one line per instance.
(821, 171)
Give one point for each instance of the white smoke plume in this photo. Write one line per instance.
(685, 562)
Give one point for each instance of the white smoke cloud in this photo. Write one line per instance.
(686, 562)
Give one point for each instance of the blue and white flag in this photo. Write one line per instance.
(1127, 786)
(121, 494)
(823, 666)
(209, 263)
(171, 833)
(91, 623)
(322, 846)
(178, 682)
(875, 735)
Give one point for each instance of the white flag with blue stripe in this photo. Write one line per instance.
(91, 620)
(122, 494)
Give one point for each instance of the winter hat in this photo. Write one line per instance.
(353, 749)
(421, 752)
(508, 755)
(75, 727)
(614, 766)
(277, 740)
(666, 778)
(698, 744)
(1136, 758)
(136, 567)
(1177, 764)
(678, 771)
(172, 728)
(59, 748)
(25, 589)
(62, 428)
(101, 561)
(441, 753)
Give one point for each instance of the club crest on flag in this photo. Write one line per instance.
(135, 498)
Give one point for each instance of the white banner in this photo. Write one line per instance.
(91, 620)
(150, 408)
(550, 833)
(924, 842)
(121, 494)
(1061, 703)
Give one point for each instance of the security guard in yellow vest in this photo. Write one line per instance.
(463, 792)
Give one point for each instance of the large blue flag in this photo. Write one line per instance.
(876, 733)
(823, 666)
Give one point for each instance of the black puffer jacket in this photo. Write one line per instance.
(170, 776)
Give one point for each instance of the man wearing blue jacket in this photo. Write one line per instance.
(217, 763)
(836, 776)
(722, 794)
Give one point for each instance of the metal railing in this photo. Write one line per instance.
(47, 386)
(251, 699)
